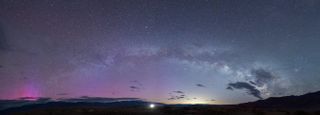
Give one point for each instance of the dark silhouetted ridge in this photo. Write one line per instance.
(307, 101)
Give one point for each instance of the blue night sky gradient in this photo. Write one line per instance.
(172, 51)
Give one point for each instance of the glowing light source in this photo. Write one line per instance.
(152, 106)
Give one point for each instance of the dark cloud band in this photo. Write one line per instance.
(243, 85)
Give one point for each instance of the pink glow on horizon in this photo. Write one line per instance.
(29, 91)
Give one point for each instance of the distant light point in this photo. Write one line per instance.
(152, 106)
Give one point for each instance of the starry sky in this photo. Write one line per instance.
(170, 51)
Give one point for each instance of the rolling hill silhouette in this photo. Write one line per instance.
(306, 101)
(308, 104)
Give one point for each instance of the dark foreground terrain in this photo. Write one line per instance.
(164, 110)
(308, 104)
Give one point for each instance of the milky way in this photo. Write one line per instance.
(172, 51)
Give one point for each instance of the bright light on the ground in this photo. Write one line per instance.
(152, 106)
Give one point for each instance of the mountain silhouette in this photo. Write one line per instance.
(306, 101)
(61, 104)
(287, 105)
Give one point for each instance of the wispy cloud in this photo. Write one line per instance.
(261, 76)
(181, 92)
(134, 88)
(244, 85)
(176, 95)
(200, 85)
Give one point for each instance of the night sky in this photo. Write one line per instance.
(171, 51)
